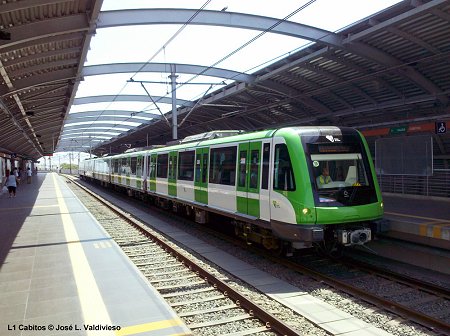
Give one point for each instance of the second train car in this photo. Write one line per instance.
(288, 188)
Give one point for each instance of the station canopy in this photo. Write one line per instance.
(107, 76)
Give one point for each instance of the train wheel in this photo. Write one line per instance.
(331, 249)
(284, 249)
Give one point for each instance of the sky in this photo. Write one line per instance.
(201, 45)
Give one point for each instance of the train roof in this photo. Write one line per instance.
(216, 137)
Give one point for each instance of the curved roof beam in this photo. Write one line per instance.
(107, 116)
(108, 124)
(255, 22)
(117, 18)
(98, 113)
(133, 98)
(194, 69)
(83, 133)
(89, 137)
(78, 23)
(96, 129)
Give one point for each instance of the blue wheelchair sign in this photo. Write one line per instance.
(440, 127)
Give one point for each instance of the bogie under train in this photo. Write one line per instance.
(296, 187)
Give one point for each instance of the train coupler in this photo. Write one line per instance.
(354, 237)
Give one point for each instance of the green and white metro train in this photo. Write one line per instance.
(268, 183)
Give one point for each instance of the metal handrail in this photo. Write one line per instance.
(436, 185)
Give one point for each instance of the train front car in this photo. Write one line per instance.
(338, 201)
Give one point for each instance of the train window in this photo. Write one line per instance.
(139, 165)
(153, 166)
(148, 170)
(265, 166)
(222, 165)
(125, 166)
(116, 166)
(186, 166)
(162, 166)
(242, 168)
(339, 170)
(283, 176)
(133, 165)
(254, 165)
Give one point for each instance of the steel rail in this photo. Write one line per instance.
(400, 278)
(272, 323)
(391, 306)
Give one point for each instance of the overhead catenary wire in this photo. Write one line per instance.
(240, 47)
(220, 60)
(172, 37)
(267, 30)
(149, 60)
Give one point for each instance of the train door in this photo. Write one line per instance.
(282, 184)
(126, 164)
(139, 164)
(109, 171)
(201, 175)
(145, 171)
(247, 198)
(172, 175)
(119, 170)
(152, 172)
(264, 193)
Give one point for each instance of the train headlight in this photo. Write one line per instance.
(306, 211)
(381, 205)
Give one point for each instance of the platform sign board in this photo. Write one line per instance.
(407, 155)
(398, 130)
(440, 127)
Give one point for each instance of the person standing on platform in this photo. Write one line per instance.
(11, 183)
(16, 174)
(29, 173)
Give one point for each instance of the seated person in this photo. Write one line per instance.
(324, 178)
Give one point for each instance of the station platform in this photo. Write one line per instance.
(61, 274)
(424, 220)
(418, 232)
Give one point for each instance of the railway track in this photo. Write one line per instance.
(410, 298)
(197, 292)
(346, 279)
(421, 302)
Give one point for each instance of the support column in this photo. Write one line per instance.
(173, 77)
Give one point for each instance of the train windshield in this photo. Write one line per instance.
(341, 175)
